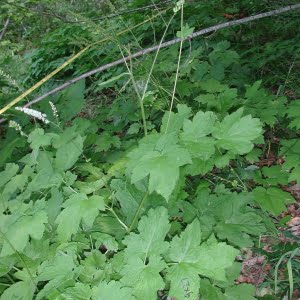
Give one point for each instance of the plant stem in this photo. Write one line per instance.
(137, 92)
(116, 216)
(10, 278)
(177, 73)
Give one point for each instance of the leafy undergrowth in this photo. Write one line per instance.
(114, 193)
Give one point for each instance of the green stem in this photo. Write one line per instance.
(5, 284)
(137, 213)
(141, 100)
(143, 117)
(118, 219)
(239, 178)
(137, 92)
(177, 73)
(10, 278)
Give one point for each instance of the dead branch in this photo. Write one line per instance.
(4, 28)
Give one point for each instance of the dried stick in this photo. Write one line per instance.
(4, 29)
(163, 45)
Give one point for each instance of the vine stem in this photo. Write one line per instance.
(137, 213)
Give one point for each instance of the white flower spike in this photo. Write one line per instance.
(34, 113)
(16, 126)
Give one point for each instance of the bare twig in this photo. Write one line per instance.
(4, 28)
(163, 45)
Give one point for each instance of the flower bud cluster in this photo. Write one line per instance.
(178, 6)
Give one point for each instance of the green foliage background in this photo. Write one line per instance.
(92, 207)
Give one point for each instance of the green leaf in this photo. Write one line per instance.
(199, 166)
(294, 114)
(175, 120)
(87, 187)
(68, 154)
(237, 133)
(212, 86)
(160, 159)
(38, 138)
(184, 278)
(144, 279)
(94, 267)
(128, 196)
(254, 155)
(194, 135)
(53, 205)
(219, 97)
(290, 149)
(229, 217)
(77, 209)
(236, 221)
(201, 126)
(210, 259)
(79, 292)
(241, 292)
(295, 175)
(201, 69)
(9, 172)
(71, 101)
(249, 224)
(106, 240)
(134, 128)
(150, 240)
(45, 178)
(184, 248)
(210, 292)
(185, 32)
(16, 184)
(215, 258)
(7, 149)
(56, 271)
(19, 291)
(222, 160)
(105, 141)
(223, 55)
(113, 290)
(21, 230)
(273, 199)
(110, 225)
(272, 176)
(258, 103)
(236, 292)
